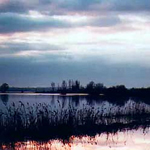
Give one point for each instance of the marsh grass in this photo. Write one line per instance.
(42, 122)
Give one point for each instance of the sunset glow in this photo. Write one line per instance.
(128, 140)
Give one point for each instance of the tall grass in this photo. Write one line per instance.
(43, 122)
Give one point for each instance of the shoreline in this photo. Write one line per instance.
(50, 94)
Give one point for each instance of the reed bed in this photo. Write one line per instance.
(43, 122)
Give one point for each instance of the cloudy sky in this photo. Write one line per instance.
(106, 41)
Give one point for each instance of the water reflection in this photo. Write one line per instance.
(74, 100)
(127, 140)
(4, 99)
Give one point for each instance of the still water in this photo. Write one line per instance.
(76, 101)
(138, 139)
(127, 140)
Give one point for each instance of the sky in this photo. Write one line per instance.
(107, 41)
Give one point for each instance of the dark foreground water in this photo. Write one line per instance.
(127, 139)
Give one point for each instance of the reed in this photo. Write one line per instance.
(43, 122)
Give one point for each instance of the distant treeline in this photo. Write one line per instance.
(91, 88)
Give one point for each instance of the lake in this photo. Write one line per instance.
(122, 138)
(74, 99)
(127, 140)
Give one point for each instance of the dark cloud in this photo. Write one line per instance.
(46, 1)
(77, 6)
(22, 6)
(11, 48)
(18, 23)
(26, 72)
(101, 5)
(106, 5)
(14, 6)
(130, 5)
(11, 23)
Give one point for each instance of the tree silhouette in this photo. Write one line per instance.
(64, 87)
(53, 86)
(90, 87)
(4, 87)
(70, 85)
